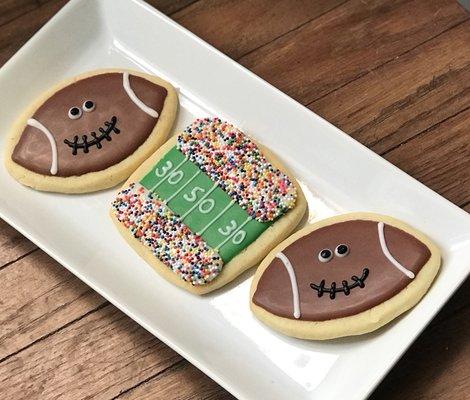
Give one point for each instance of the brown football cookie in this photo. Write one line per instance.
(343, 276)
(91, 132)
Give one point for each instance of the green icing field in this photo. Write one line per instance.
(205, 208)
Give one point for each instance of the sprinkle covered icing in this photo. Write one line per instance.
(236, 164)
(170, 240)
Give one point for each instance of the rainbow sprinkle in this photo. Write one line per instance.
(236, 164)
(170, 240)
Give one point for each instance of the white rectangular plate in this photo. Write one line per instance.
(217, 333)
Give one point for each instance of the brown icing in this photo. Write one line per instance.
(33, 150)
(384, 280)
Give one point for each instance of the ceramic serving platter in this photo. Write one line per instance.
(217, 332)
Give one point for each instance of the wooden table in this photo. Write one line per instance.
(395, 75)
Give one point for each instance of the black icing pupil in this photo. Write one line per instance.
(74, 111)
(342, 249)
(325, 254)
(88, 104)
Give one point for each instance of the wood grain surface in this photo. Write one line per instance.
(395, 75)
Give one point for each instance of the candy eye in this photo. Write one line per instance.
(75, 113)
(325, 255)
(88, 106)
(342, 250)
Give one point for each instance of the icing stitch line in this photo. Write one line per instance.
(36, 124)
(96, 141)
(293, 281)
(387, 253)
(139, 103)
(346, 288)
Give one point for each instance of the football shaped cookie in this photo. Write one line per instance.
(343, 276)
(209, 204)
(91, 132)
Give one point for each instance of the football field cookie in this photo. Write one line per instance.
(346, 275)
(209, 204)
(91, 132)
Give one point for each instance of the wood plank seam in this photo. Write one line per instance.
(173, 370)
(182, 8)
(41, 5)
(7, 264)
(424, 131)
(365, 73)
(436, 324)
(170, 367)
(35, 11)
(103, 305)
(20, 15)
(65, 305)
(403, 103)
(49, 314)
(290, 31)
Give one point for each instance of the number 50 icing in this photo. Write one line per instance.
(205, 201)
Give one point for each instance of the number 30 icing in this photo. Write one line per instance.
(214, 193)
